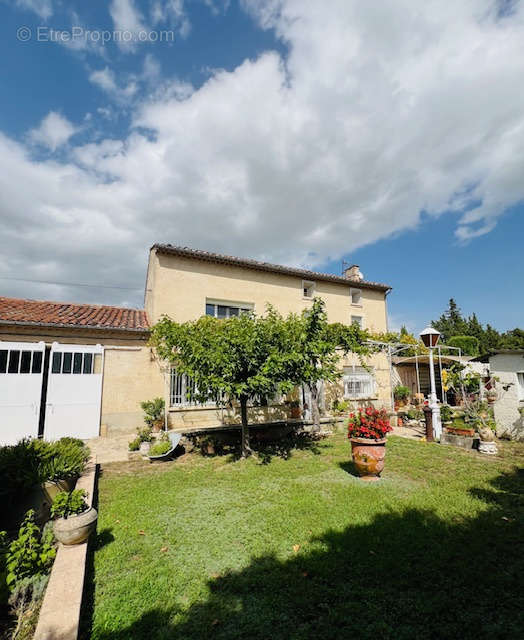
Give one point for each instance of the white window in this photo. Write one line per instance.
(227, 309)
(357, 320)
(358, 383)
(182, 391)
(308, 288)
(356, 297)
(520, 378)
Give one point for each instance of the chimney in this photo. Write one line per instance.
(353, 273)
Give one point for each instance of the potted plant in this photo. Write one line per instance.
(487, 443)
(75, 519)
(367, 429)
(446, 415)
(154, 413)
(491, 395)
(401, 394)
(142, 442)
(459, 427)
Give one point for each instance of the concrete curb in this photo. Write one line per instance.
(59, 617)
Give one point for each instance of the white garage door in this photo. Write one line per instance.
(21, 367)
(74, 391)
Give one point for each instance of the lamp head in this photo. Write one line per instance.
(430, 337)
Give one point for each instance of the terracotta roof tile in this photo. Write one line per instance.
(66, 314)
(265, 266)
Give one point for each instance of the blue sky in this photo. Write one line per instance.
(282, 130)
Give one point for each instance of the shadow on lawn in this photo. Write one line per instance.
(402, 576)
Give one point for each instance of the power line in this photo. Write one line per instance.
(72, 284)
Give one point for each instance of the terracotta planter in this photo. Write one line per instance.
(295, 412)
(75, 529)
(158, 425)
(460, 432)
(368, 457)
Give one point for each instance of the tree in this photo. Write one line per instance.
(469, 345)
(451, 323)
(315, 346)
(232, 360)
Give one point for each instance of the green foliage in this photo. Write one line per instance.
(414, 346)
(63, 459)
(32, 462)
(153, 410)
(31, 553)
(446, 413)
(401, 393)
(340, 406)
(68, 503)
(452, 324)
(159, 448)
(144, 434)
(134, 445)
(468, 344)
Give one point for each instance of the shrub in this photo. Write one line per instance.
(401, 393)
(19, 469)
(159, 448)
(340, 406)
(63, 459)
(369, 423)
(446, 413)
(153, 410)
(134, 445)
(68, 503)
(31, 553)
(468, 344)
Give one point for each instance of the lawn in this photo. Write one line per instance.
(295, 547)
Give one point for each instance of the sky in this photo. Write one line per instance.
(299, 132)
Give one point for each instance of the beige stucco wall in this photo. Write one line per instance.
(179, 287)
(509, 421)
(130, 374)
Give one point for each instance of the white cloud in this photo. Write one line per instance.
(105, 80)
(380, 111)
(43, 8)
(173, 13)
(127, 18)
(53, 132)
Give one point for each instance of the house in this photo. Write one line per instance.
(507, 366)
(82, 370)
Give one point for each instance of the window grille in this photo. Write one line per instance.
(359, 383)
(183, 390)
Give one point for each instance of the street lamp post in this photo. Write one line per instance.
(430, 338)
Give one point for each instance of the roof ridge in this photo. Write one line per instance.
(268, 266)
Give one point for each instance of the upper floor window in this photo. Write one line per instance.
(308, 289)
(357, 320)
(226, 310)
(356, 296)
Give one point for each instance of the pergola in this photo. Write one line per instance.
(393, 349)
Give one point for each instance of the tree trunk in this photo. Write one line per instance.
(245, 429)
(315, 412)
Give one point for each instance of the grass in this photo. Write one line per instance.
(293, 546)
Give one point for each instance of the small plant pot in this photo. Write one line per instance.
(158, 425)
(368, 457)
(488, 447)
(77, 528)
(144, 448)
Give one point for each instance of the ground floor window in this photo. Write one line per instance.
(182, 391)
(359, 382)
